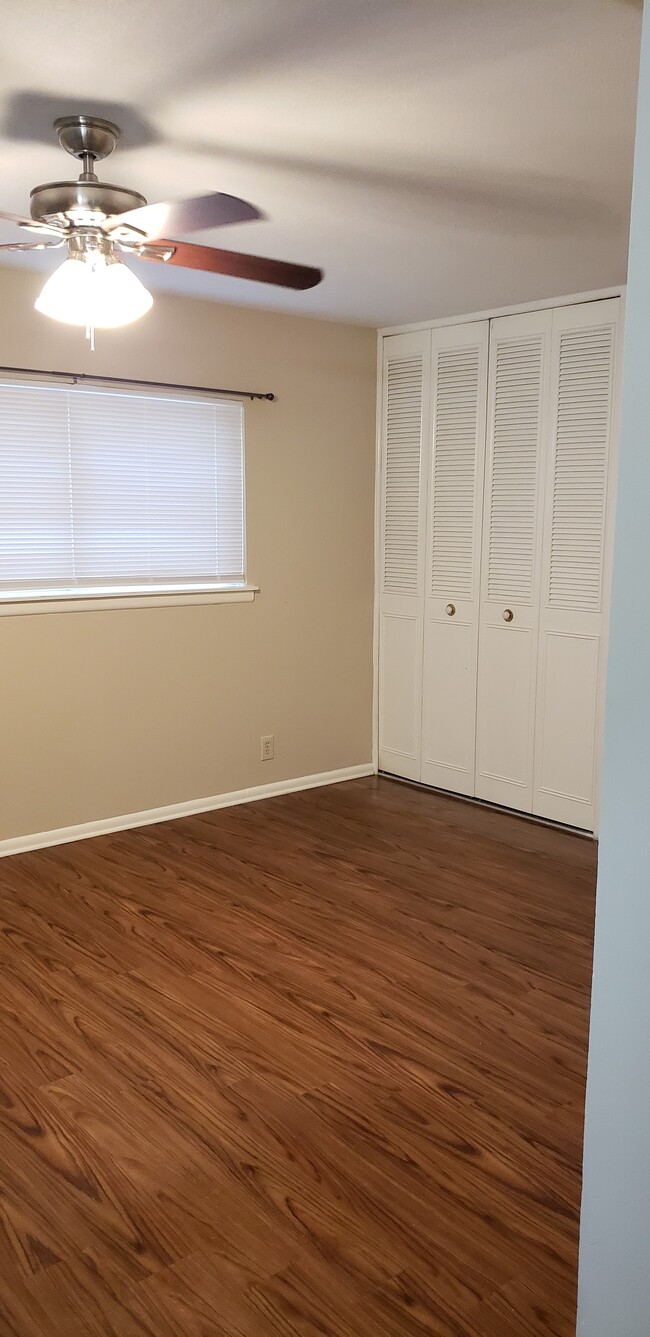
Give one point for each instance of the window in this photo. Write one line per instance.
(107, 492)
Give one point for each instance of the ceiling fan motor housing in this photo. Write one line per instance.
(81, 202)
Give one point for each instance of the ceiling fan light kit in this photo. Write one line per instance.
(94, 290)
(98, 222)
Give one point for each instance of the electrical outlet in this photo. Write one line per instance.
(266, 747)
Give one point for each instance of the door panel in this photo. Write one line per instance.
(450, 708)
(399, 692)
(568, 689)
(512, 530)
(508, 671)
(576, 560)
(458, 394)
(404, 467)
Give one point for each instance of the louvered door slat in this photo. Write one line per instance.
(582, 430)
(404, 380)
(456, 409)
(513, 477)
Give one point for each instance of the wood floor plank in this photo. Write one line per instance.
(74, 1300)
(59, 1199)
(307, 1068)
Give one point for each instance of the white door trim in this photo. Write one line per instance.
(571, 299)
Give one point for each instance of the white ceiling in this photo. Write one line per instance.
(433, 156)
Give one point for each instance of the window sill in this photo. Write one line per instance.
(97, 602)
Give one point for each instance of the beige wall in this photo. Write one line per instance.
(112, 712)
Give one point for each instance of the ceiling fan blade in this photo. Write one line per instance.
(31, 245)
(29, 223)
(197, 214)
(254, 267)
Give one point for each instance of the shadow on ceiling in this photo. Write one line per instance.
(525, 202)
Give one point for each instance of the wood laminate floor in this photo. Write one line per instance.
(310, 1066)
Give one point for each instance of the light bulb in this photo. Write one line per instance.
(96, 291)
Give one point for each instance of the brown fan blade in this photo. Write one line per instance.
(30, 223)
(254, 267)
(197, 214)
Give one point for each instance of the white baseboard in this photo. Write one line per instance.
(42, 839)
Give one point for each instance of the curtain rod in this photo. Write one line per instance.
(79, 377)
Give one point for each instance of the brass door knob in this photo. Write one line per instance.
(450, 610)
(507, 615)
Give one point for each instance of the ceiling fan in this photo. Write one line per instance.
(97, 222)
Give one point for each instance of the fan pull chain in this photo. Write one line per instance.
(90, 335)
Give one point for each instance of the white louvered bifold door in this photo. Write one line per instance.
(576, 561)
(510, 577)
(404, 427)
(452, 568)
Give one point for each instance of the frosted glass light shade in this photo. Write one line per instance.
(118, 296)
(94, 293)
(65, 295)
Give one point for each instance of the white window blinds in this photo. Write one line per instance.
(105, 491)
